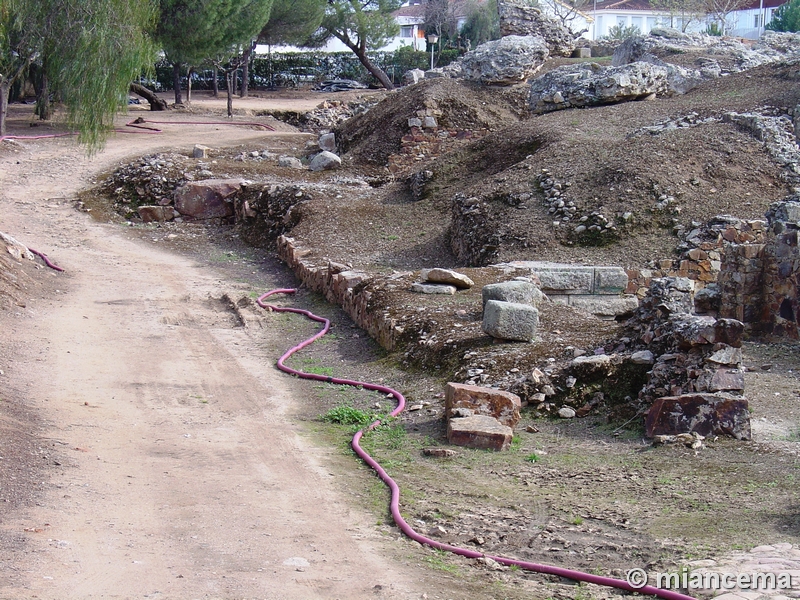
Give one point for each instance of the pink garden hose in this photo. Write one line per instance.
(138, 126)
(395, 489)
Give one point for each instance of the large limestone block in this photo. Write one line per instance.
(566, 280)
(521, 292)
(706, 414)
(479, 431)
(610, 280)
(511, 321)
(501, 405)
(606, 307)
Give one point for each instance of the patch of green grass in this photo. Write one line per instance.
(347, 415)
(438, 560)
(577, 521)
(533, 457)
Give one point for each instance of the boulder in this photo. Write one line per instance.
(290, 162)
(433, 288)
(727, 380)
(413, 76)
(520, 292)
(327, 141)
(519, 18)
(589, 84)
(498, 404)
(150, 214)
(705, 414)
(507, 61)
(510, 321)
(479, 431)
(208, 199)
(447, 276)
(325, 161)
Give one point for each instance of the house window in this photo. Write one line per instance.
(622, 21)
(757, 20)
(407, 31)
(651, 22)
(636, 22)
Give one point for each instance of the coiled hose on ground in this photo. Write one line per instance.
(395, 489)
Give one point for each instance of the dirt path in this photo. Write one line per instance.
(175, 473)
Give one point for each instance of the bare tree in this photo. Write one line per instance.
(682, 13)
(721, 11)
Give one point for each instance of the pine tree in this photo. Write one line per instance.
(786, 17)
(361, 25)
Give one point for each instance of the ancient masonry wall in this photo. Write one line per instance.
(341, 286)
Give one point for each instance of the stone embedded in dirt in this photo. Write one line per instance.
(151, 214)
(200, 151)
(642, 357)
(327, 141)
(432, 288)
(15, 248)
(519, 18)
(209, 199)
(439, 452)
(510, 321)
(290, 162)
(498, 404)
(325, 161)
(705, 414)
(586, 366)
(447, 276)
(565, 412)
(507, 61)
(479, 431)
(521, 292)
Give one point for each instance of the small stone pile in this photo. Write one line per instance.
(151, 179)
(331, 113)
(588, 226)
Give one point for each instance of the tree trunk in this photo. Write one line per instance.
(43, 108)
(216, 82)
(189, 84)
(5, 87)
(229, 79)
(176, 82)
(156, 103)
(376, 71)
(246, 54)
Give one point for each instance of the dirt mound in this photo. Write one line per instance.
(456, 104)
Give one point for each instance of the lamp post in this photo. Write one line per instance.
(432, 39)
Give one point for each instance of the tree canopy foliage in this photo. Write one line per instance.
(482, 24)
(786, 17)
(292, 22)
(193, 31)
(90, 50)
(360, 25)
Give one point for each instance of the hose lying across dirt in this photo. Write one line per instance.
(395, 500)
(139, 127)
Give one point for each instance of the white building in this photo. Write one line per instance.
(749, 22)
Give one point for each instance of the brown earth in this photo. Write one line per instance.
(584, 493)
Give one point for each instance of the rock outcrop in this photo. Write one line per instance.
(521, 19)
(507, 61)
